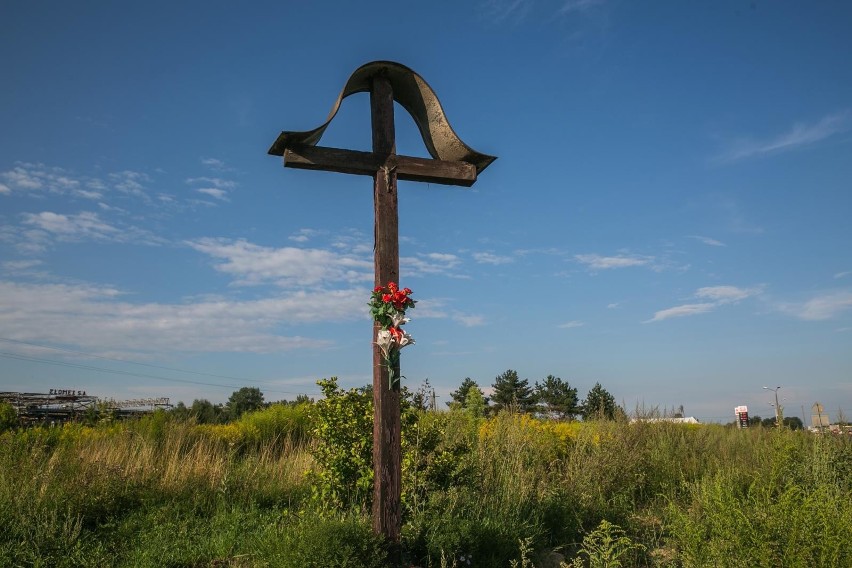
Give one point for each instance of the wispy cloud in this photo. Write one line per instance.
(469, 320)
(488, 258)
(571, 324)
(217, 182)
(219, 194)
(252, 264)
(216, 165)
(801, 134)
(598, 262)
(96, 319)
(682, 311)
(436, 308)
(707, 241)
(430, 263)
(517, 10)
(726, 294)
(130, 182)
(27, 176)
(215, 187)
(713, 296)
(73, 227)
(500, 10)
(843, 274)
(25, 268)
(303, 235)
(42, 229)
(821, 307)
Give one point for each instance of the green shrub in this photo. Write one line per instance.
(8, 417)
(343, 446)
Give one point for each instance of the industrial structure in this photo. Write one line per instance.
(68, 405)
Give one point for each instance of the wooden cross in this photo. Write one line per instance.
(453, 163)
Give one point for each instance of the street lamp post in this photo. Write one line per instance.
(777, 408)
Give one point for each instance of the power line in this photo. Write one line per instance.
(128, 373)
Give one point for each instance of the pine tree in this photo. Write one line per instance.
(512, 392)
(557, 398)
(599, 404)
(460, 396)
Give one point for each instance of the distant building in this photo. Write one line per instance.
(679, 420)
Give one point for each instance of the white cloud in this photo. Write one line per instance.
(708, 241)
(86, 194)
(801, 134)
(21, 264)
(219, 194)
(47, 226)
(215, 164)
(287, 266)
(682, 311)
(717, 296)
(82, 225)
(26, 268)
(4, 188)
(95, 319)
(130, 182)
(31, 177)
(22, 178)
(598, 262)
(488, 258)
(303, 235)
(822, 307)
(613, 305)
(469, 320)
(726, 294)
(843, 274)
(571, 324)
(431, 263)
(216, 182)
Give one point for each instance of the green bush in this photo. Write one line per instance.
(343, 446)
(8, 417)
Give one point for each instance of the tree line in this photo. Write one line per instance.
(246, 399)
(553, 397)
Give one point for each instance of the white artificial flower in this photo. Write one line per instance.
(384, 340)
(405, 339)
(398, 318)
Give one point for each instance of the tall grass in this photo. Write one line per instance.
(69, 490)
(163, 493)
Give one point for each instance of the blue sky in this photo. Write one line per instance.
(669, 214)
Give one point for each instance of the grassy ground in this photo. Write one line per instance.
(476, 493)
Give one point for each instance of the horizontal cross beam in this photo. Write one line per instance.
(368, 163)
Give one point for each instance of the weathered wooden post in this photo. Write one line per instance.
(453, 163)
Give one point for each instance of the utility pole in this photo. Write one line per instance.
(778, 418)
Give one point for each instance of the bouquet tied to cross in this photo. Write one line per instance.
(387, 306)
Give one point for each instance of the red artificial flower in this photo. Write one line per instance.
(395, 332)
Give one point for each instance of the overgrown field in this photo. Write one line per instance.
(289, 486)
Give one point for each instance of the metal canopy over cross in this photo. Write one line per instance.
(453, 163)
